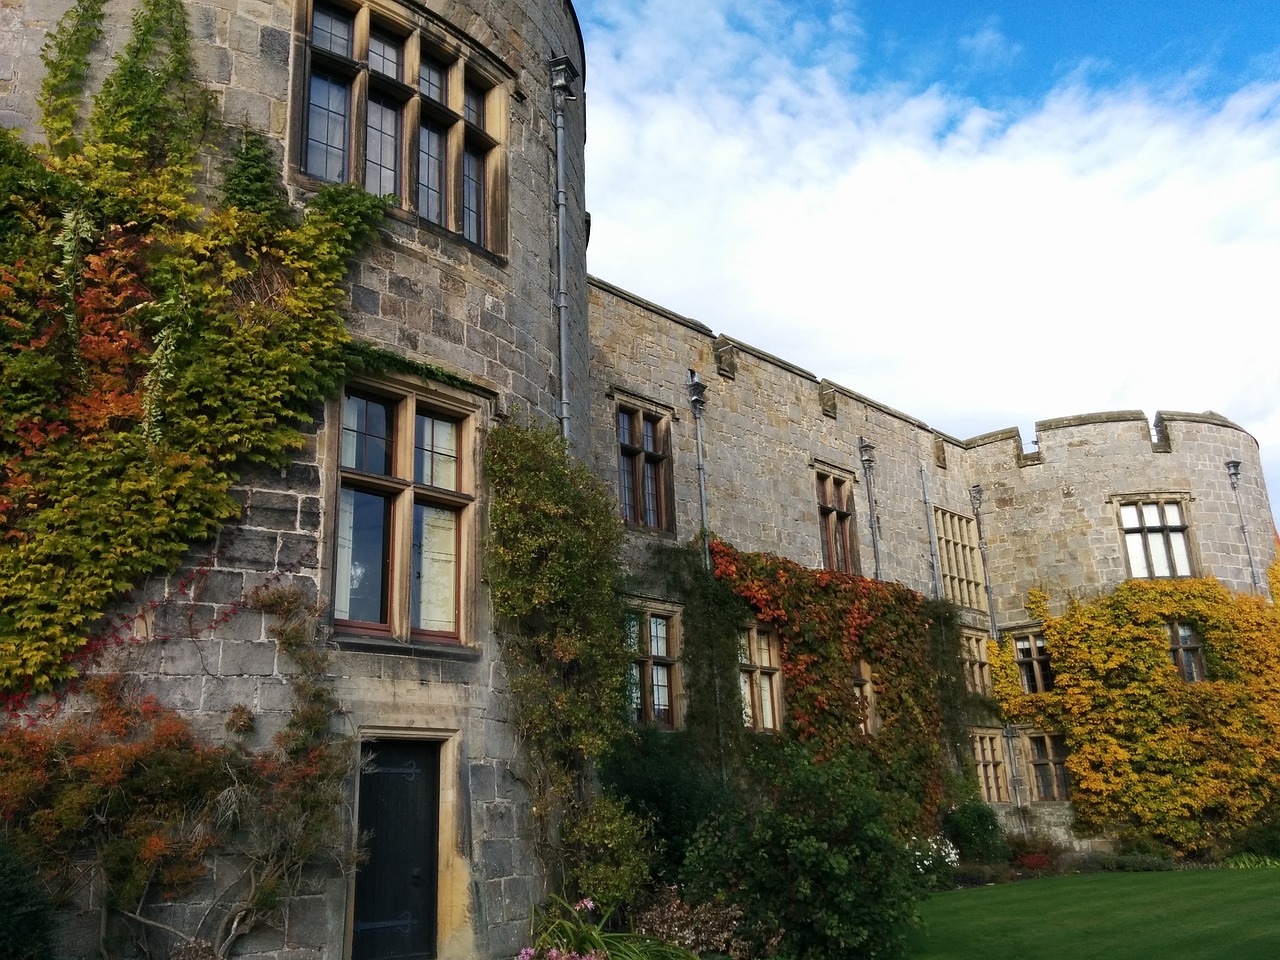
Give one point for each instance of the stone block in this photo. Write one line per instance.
(298, 552)
(248, 659)
(244, 548)
(223, 693)
(306, 922)
(273, 511)
(484, 779)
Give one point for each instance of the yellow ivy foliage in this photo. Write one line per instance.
(1187, 764)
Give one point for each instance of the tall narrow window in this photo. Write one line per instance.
(977, 665)
(760, 678)
(1186, 651)
(329, 105)
(1049, 765)
(642, 469)
(835, 523)
(652, 677)
(1155, 539)
(397, 562)
(473, 218)
(1034, 665)
(382, 146)
(988, 756)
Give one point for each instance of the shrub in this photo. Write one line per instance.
(810, 859)
(26, 912)
(975, 830)
(661, 776)
(1124, 863)
(935, 860)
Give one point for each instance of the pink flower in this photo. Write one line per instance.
(526, 954)
(586, 903)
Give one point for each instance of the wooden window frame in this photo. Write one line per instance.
(398, 487)
(1186, 650)
(836, 528)
(642, 707)
(639, 461)
(1035, 665)
(755, 665)
(1049, 766)
(469, 75)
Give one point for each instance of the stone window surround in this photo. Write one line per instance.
(989, 760)
(977, 663)
(470, 66)
(640, 672)
(753, 671)
(959, 560)
(470, 411)
(1182, 499)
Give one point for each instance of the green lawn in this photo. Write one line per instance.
(1183, 915)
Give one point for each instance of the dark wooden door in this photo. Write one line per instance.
(395, 915)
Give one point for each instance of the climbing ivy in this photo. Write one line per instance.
(127, 798)
(552, 571)
(1186, 764)
(147, 348)
(828, 622)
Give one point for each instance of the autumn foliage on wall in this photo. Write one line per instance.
(1188, 764)
(828, 623)
(148, 347)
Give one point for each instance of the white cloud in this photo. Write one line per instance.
(989, 49)
(1101, 250)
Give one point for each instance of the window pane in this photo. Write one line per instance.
(384, 54)
(661, 693)
(360, 580)
(824, 497)
(1173, 514)
(382, 147)
(631, 626)
(366, 434)
(1181, 560)
(658, 637)
(1159, 555)
(635, 710)
(431, 79)
(328, 131)
(473, 221)
(650, 494)
(767, 719)
(626, 486)
(650, 437)
(764, 647)
(1137, 556)
(744, 686)
(331, 29)
(433, 587)
(1151, 514)
(435, 452)
(840, 547)
(1129, 516)
(431, 172)
(473, 105)
(624, 429)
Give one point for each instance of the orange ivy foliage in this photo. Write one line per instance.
(827, 622)
(1187, 764)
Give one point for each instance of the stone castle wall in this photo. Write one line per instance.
(485, 315)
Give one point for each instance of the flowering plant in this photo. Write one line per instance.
(566, 931)
(935, 859)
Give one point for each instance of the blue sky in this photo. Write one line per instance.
(983, 214)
